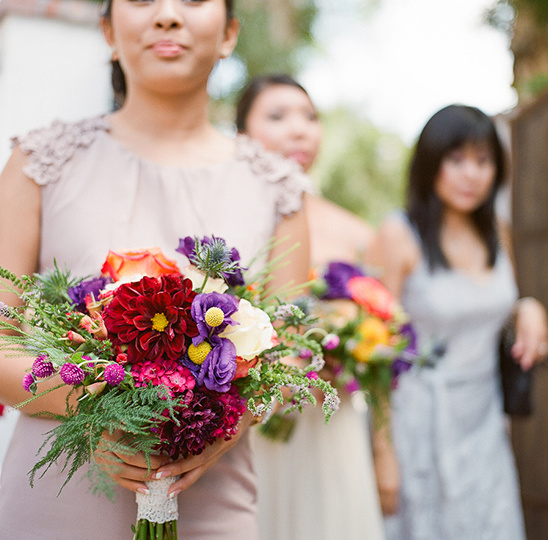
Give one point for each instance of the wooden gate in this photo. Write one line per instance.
(530, 235)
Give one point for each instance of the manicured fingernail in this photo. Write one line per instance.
(143, 490)
(162, 474)
(174, 494)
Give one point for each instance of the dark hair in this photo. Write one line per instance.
(252, 91)
(118, 78)
(449, 129)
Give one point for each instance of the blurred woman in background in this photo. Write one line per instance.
(320, 484)
(448, 259)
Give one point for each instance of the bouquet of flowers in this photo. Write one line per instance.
(365, 332)
(172, 358)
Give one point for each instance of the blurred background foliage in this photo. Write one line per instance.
(526, 24)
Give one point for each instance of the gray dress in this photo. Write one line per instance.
(458, 476)
(98, 196)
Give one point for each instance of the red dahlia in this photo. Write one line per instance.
(152, 317)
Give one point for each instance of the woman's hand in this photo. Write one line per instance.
(531, 343)
(131, 471)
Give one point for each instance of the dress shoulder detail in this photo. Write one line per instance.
(291, 183)
(50, 148)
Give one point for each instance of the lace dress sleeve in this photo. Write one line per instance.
(289, 182)
(50, 148)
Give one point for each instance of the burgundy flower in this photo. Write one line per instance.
(152, 317)
(234, 408)
(206, 418)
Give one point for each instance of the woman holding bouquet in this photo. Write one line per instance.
(152, 172)
(320, 484)
(449, 261)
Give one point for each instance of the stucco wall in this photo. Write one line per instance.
(49, 69)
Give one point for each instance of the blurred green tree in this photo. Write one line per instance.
(360, 167)
(526, 24)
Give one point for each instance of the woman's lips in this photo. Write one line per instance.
(299, 157)
(167, 49)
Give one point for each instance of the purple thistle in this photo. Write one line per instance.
(71, 374)
(187, 246)
(42, 367)
(305, 354)
(114, 374)
(28, 382)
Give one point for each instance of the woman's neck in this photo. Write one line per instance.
(457, 221)
(171, 130)
(462, 244)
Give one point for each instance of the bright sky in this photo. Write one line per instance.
(406, 59)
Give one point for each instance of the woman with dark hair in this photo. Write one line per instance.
(154, 171)
(320, 484)
(448, 260)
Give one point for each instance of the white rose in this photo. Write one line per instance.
(253, 333)
(197, 277)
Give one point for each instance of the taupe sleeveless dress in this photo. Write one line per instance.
(98, 196)
(459, 480)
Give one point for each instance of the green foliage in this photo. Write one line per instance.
(535, 85)
(361, 168)
(55, 283)
(74, 441)
(273, 35)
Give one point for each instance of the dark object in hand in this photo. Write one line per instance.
(516, 383)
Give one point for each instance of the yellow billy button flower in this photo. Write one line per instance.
(214, 317)
(373, 332)
(198, 354)
(159, 322)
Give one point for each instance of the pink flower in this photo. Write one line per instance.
(330, 342)
(163, 371)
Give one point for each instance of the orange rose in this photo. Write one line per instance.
(144, 262)
(373, 296)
